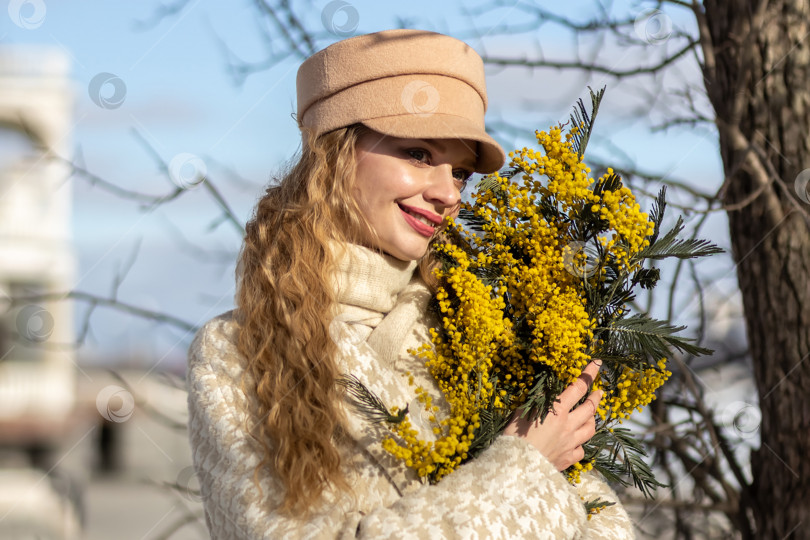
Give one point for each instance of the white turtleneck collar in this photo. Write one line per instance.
(368, 283)
(382, 293)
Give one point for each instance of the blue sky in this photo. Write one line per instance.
(180, 99)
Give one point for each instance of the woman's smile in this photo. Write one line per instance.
(423, 221)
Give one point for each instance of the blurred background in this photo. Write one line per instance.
(135, 138)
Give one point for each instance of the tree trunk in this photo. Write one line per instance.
(757, 75)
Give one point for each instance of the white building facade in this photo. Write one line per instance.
(37, 363)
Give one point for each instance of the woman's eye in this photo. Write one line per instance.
(462, 177)
(419, 155)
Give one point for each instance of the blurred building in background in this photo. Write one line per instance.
(37, 376)
(37, 363)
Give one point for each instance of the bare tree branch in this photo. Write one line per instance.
(592, 68)
(114, 303)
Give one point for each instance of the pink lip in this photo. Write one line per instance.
(435, 218)
(421, 228)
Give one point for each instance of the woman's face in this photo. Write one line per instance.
(406, 187)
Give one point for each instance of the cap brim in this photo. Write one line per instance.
(490, 155)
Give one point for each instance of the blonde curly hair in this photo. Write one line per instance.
(285, 304)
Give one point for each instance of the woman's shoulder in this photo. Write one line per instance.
(214, 347)
(223, 326)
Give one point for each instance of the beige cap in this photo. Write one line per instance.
(403, 83)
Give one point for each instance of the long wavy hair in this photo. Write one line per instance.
(285, 302)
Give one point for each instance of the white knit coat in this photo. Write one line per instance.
(510, 491)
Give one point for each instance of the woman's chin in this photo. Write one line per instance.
(411, 253)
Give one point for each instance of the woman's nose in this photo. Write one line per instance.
(442, 187)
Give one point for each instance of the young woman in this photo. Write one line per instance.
(332, 280)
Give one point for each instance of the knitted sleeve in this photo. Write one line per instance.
(612, 522)
(509, 491)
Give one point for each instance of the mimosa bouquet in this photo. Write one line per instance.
(535, 281)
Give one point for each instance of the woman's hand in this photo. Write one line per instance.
(563, 432)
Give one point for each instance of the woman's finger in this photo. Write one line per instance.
(585, 431)
(587, 409)
(571, 395)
